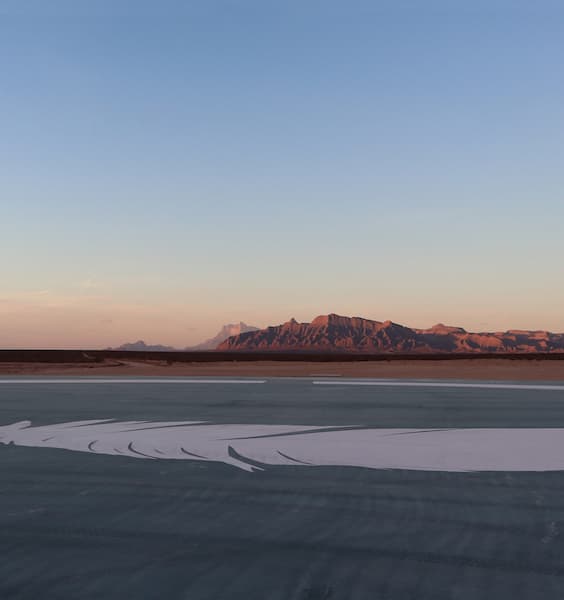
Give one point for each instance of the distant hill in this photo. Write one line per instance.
(226, 331)
(335, 333)
(211, 344)
(140, 345)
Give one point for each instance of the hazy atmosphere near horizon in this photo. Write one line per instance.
(168, 167)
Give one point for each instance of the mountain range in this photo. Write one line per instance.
(335, 333)
(141, 346)
(226, 331)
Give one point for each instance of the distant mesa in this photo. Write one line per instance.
(336, 333)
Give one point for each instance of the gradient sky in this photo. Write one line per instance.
(167, 167)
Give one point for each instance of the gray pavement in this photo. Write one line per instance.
(74, 525)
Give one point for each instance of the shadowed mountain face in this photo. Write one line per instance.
(354, 334)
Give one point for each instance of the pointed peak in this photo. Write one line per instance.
(291, 321)
(445, 329)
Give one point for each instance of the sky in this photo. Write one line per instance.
(167, 167)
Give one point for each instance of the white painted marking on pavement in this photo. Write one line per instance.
(441, 384)
(252, 447)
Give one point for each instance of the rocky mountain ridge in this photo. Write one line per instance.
(336, 333)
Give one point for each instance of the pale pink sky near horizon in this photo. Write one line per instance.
(97, 320)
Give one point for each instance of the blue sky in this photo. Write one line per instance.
(171, 166)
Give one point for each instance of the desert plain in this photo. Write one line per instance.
(499, 369)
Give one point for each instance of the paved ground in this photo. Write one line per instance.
(74, 525)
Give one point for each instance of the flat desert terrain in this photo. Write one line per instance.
(474, 368)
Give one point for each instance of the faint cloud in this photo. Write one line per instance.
(25, 296)
(89, 284)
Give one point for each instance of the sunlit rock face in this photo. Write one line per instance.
(258, 447)
(335, 333)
